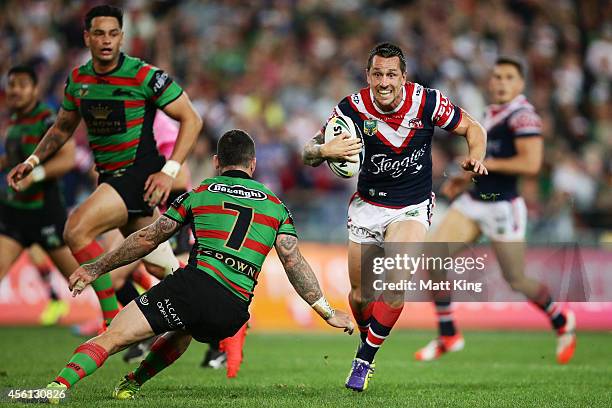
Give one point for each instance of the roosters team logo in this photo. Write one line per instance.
(415, 123)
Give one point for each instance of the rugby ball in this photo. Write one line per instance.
(334, 128)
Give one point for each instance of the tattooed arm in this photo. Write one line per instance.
(305, 282)
(58, 133)
(298, 271)
(137, 245)
(54, 139)
(311, 156)
(341, 148)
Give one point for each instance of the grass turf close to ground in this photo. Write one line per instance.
(308, 370)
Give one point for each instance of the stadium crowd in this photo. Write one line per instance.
(276, 69)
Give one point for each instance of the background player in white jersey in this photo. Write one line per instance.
(394, 195)
(494, 208)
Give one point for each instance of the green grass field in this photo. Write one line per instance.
(285, 370)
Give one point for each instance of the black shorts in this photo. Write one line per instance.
(42, 226)
(130, 185)
(192, 300)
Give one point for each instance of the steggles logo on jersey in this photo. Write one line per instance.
(394, 167)
(238, 191)
(370, 127)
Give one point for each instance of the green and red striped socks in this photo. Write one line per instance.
(87, 358)
(103, 285)
(164, 352)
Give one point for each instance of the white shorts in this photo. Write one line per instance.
(499, 220)
(367, 223)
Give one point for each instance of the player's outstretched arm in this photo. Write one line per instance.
(190, 124)
(305, 282)
(526, 162)
(159, 185)
(476, 137)
(56, 136)
(137, 245)
(341, 148)
(58, 165)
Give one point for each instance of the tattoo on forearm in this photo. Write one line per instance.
(299, 272)
(50, 144)
(136, 245)
(57, 135)
(312, 151)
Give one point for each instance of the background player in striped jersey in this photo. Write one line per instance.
(394, 194)
(117, 97)
(34, 213)
(494, 208)
(236, 221)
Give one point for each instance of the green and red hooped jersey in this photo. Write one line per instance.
(235, 221)
(22, 136)
(118, 108)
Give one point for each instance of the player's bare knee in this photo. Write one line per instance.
(76, 233)
(394, 299)
(355, 295)
(116, 339)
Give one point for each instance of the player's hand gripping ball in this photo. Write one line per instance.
(343, 147)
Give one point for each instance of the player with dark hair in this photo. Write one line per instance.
(394, 196)
(236, 221)
(494, 208)
(34, 211)
(117, 96)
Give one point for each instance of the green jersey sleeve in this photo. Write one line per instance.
(69, 102)
(161, 89)
(286, 226)
(180, 209)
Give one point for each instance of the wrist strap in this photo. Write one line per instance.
(33, 160)
(323, 308)
(171, 168)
